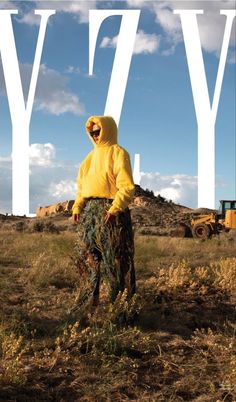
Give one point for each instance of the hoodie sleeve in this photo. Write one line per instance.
(80, 201)
(124, 182)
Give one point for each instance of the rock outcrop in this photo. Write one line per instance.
(50, 210)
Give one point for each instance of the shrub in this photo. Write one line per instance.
(38, 226)
(50, 227)
(48, 270)
(12, 349)
(20, 226)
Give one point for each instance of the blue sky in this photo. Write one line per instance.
(158, 117)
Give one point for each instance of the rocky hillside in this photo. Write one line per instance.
(150, 215)
(157, 216)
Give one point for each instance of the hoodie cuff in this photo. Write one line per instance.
(76, 209)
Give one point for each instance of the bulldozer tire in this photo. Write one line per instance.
(182, 230)
(201, 231)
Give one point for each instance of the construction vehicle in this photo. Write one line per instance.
(204, 226)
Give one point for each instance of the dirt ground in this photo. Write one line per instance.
(175, 341)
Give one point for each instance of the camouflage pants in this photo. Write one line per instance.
(106, 251)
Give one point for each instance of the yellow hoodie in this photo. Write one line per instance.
(106, 171)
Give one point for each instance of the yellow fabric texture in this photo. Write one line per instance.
(106, 171)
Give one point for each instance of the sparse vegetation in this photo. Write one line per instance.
(38, 226)
(174, 341)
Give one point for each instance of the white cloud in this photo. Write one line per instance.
(5, 159)
(211, 24)
(39, 155)
(5, 184)
(72, 70)
(169, 22)
(80, 9)
(144, 43)
(52, 92)
(170, 193)
(42, 154)
(60, 102)
(64, 189)
(30, 18)
(53, 95)
(179, 188)
(109, 42)
(169, 51)
(53, 184)
(232, 58)
(137, 3)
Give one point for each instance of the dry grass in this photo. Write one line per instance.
(199, 252)
(174, 341)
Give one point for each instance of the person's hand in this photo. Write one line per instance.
(109, 218)
(75, 218)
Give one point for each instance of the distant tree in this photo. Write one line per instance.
(160, 198)
(149, 193)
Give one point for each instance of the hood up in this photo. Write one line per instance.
(108, 133)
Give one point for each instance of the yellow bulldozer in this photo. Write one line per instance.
(204, 226)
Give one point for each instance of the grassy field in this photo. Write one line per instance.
(178, 343)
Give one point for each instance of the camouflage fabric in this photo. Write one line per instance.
(106, 251)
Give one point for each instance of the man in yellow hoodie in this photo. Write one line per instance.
(105, 188)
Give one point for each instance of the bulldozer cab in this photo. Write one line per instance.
(226, 205)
